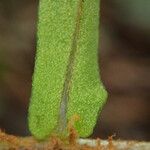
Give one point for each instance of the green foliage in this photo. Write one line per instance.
(66, 77)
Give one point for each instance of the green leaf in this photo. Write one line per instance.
(66, 76)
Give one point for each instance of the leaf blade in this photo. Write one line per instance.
(66, 63)
(55, 28)
(87, 95)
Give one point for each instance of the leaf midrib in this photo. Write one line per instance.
(62, 119)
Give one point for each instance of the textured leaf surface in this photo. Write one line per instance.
(66, 77)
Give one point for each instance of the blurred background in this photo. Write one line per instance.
(124, 57)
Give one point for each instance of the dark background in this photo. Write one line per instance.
(124, 60)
